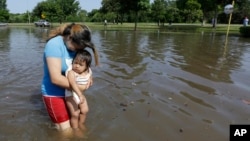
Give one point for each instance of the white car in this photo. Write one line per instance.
(42, 23)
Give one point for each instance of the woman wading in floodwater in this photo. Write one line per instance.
(61, 47)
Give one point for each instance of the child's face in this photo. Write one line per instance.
(79, 66)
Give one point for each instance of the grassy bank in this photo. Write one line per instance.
(180, 27)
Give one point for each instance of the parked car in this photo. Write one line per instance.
(42, 23)
(3, 24)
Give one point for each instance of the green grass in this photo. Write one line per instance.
(175, 27)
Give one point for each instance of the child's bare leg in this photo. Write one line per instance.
(83, 112)
(82, 118)
(74, 112)
(74, 120)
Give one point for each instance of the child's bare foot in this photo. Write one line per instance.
(79, 133)
(83, 127)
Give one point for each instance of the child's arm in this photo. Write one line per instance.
(74, 86)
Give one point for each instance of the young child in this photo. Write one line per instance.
(79, 76)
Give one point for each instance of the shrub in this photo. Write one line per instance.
(245, 31)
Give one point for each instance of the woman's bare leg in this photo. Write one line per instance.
(63, 126)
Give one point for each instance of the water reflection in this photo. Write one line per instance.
(3, 38)
(150, 86)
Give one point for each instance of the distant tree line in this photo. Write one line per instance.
(119, 11)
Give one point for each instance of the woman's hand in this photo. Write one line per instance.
(90, 82)
(82, 99)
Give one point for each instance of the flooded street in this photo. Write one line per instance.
(150, 86)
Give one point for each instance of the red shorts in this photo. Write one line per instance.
(56, 107)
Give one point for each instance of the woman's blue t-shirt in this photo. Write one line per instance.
(55, 48)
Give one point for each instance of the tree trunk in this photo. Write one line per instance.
(136, 20)
(214, 20)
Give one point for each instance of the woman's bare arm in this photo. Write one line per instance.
(54, 66)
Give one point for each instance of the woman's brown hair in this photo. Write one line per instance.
(79, 34)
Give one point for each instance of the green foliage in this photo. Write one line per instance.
(121, 10)
(176, 11)
(245, 31)
(3, 5)
(4, 16)
(143, 5)
(159, 11)
(110, 6)
(192, 12)
(19, 18)
(82, 16)
(4, 13)
(96, 16)
(172, 14)
(56, 10)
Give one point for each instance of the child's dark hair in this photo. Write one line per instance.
(85, 56)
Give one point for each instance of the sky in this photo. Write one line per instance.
(21, 6)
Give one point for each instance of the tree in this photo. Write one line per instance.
(110, 9)
(242, 10)
(159, 9)
(82, 14)
(48, 10)
(135, 6)
(56, 9)
(69, 7)
(191, 10)
(121, 8)
(95, 16)
(208, 7)
(172, 15)
(3, 5)
(4, 12)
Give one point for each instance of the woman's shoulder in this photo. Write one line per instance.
(55, 47)
(56, 40)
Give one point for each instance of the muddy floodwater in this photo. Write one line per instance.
(150, 86)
